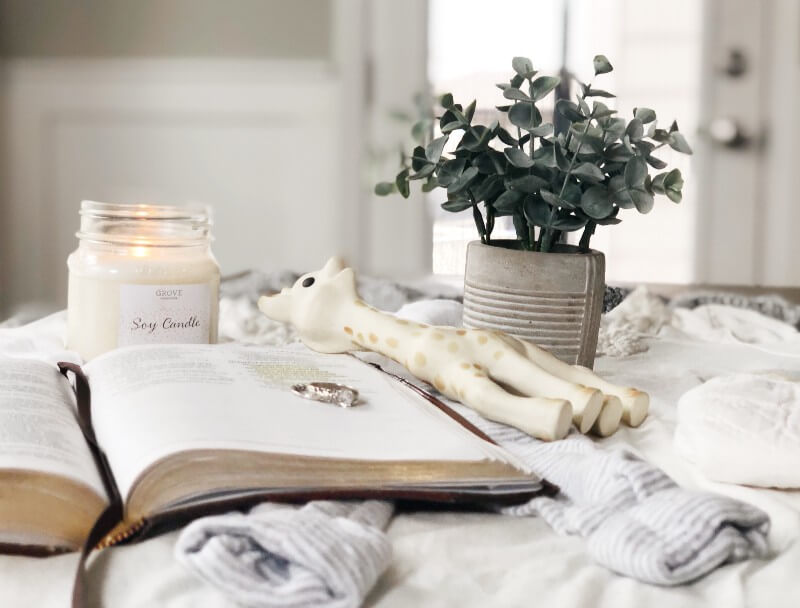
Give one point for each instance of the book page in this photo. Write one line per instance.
(38, 423)
(152, 401)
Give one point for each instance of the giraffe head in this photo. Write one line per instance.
(314, 305)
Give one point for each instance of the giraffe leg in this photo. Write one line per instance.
(608, 421)
(635, 403)
(546, 419)
(521, 374)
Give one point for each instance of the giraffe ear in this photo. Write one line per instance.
(332, 267)
(277, 307)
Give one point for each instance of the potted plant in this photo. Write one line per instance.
(551, 179)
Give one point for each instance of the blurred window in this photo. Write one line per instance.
(655, 48)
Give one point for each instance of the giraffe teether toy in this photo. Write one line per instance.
(502, 378)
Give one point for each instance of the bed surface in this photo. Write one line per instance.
(474, 559)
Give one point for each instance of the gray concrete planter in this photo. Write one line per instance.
(551, 299)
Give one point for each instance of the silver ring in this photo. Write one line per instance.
(328, 392)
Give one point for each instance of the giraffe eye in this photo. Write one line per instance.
(308, 281)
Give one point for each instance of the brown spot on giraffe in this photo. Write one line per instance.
(439, 383)
(373, 338)
(482, 339)
(498, 354)
(465, 365)
(401, 321)
(348, 330)
(476, 366)
(392, 342)
(437, 335)
(452, 347)
(420, 359)
(462, 332)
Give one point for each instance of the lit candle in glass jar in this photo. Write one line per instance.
(142, 274)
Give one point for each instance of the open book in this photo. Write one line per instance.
(176, 431)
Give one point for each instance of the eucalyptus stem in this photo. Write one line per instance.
(588, 231)
(547, 240)
(478, 218)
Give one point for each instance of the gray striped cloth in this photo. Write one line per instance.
(325, 553)
(636, 521)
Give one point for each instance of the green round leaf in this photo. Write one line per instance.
(486, 190)
(674, 180)
(643, 200)
(542, 130)
(420, 131)
(619, 193)
(588, 172)
(518, 158)
(635, 130)
(446, 100)
(523, 67)
(464, 180)
(569, 110)
(635, 172)
(469, 111)
(598, 93)
(426, 171)
(418, 159)
(525, 116)
(617, 153)
(602, 65)
(674, 195)
(646, 115)
(430, 184)
(516, 94)
(506, 137)
(545, 156)
(433, 151)
(678, 142)
(401, 181)
(542, 86)
(451, 170)
(456, 205)
(568, 222)
(508, 201)
(527, 183)
(537, 212)
(384, 188)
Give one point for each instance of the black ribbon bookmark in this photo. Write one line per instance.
(113, 513)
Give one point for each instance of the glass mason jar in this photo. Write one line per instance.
(142, 274)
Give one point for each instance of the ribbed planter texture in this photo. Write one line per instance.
(551, 299)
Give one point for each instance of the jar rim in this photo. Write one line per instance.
(144, 224)
(146, 211)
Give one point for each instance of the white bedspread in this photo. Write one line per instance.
(470, 559)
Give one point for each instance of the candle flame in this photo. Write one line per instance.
(139, 252)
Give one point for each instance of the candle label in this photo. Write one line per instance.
(164, 314)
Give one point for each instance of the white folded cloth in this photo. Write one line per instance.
(326, 553)
(743, 428)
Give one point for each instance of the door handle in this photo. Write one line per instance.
(726, 132)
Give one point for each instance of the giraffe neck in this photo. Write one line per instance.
(381, 332)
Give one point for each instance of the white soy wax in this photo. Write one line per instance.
(142, 274)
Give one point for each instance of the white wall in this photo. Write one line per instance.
(265, 110)
(240, 137)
